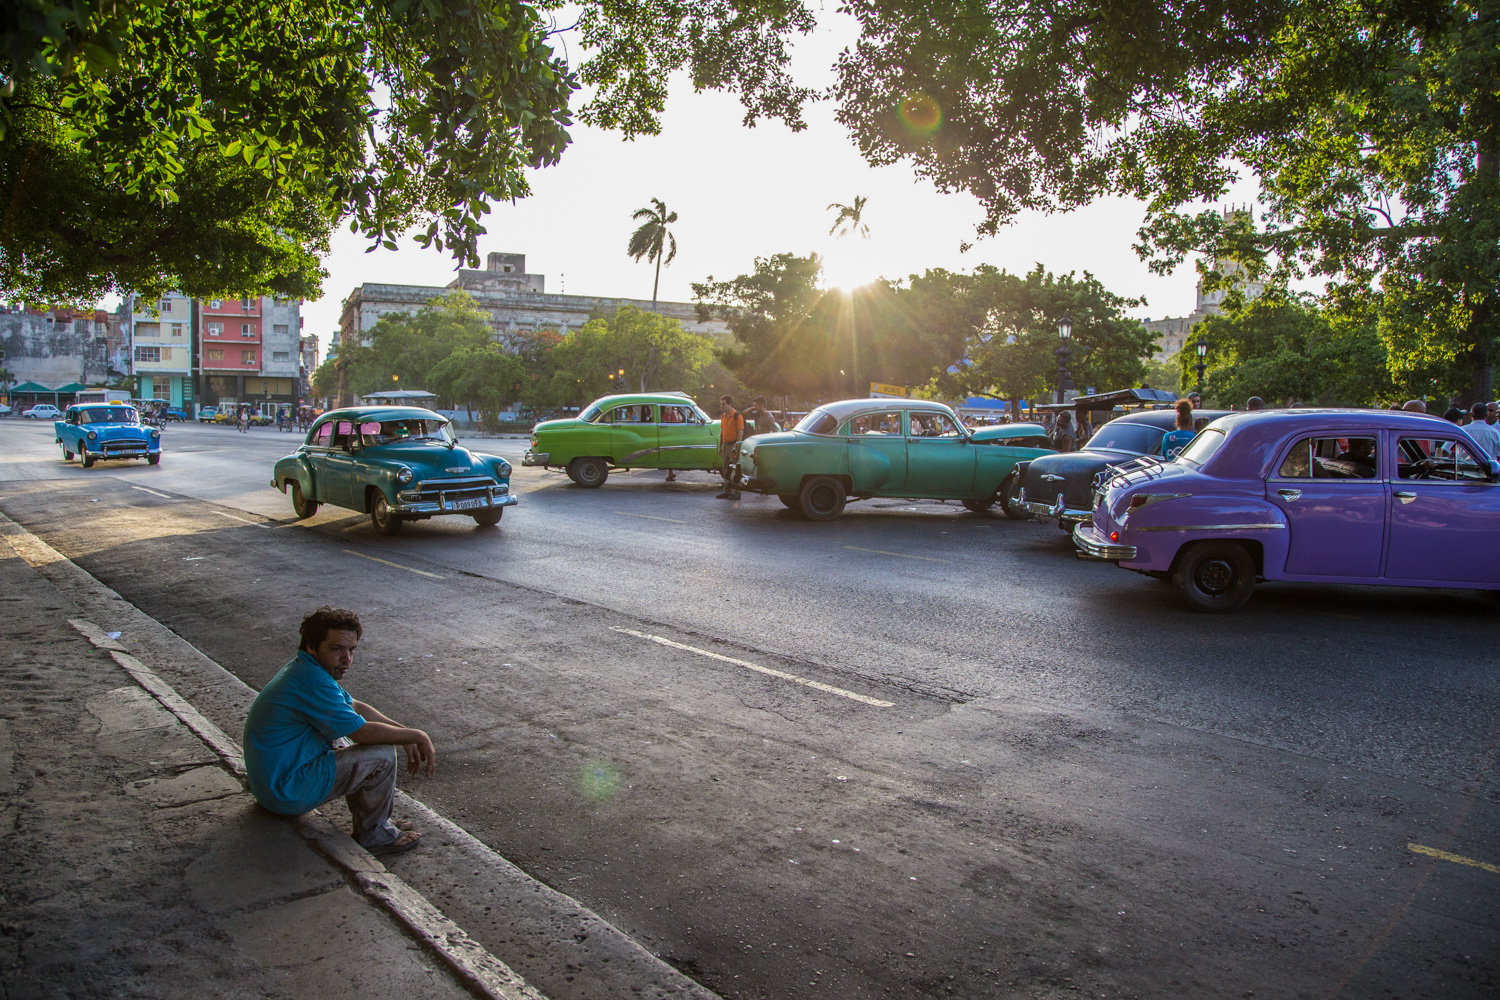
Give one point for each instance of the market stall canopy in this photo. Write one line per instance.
(1127, 398)
(71, 387)
(397, 396)
(31, 387)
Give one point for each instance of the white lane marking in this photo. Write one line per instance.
(768, 671)
(396, 565)
(649, 517)
(152, 492)
(900, 555)
(236, 517)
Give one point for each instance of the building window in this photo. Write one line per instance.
(166, 305)
(246, 330)
(176, 329)
(216, 355)
(161, 389)
(216, 303)
(247, 303)
(148, 354)
(281, 356)
(214, 329)
(281, 329)
(247, 357)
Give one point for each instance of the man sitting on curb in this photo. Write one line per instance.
(296, 753)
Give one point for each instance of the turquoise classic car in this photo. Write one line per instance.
(643, 430)
(397, 463)
(99, 431)
(862, 448)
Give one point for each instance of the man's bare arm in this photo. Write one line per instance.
(373, 714)
(419, 749)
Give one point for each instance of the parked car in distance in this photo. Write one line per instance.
(396, 463)
(1314, 495)
(863, 448)
(642, 430)
(173, 413)
(4, 410)
(1061, 486)
(42, 411)
(100, 431)
(207, 414)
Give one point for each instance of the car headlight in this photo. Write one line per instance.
(503, 468)
(92, 435)
(405, 476)
(155, 434)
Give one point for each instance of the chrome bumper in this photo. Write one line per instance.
(533, 458)
(1091, 545)
(1058, 510)
(453, 506)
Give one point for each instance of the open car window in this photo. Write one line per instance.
(885, 423)
(1329, 458)
(1441, 459)
(933, 425)
(633, 413)
(680, 415)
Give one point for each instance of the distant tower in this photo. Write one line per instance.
(1211, 303)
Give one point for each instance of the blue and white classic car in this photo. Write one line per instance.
(97, 431)
(396, 463)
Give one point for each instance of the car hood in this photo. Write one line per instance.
(432, 461)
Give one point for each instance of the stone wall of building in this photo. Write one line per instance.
(55, 348)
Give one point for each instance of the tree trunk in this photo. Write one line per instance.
(656, 284)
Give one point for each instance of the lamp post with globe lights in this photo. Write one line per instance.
(1063, 352)
(1202, 348)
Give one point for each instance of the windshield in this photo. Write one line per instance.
(1203, 447)
(108, 415)
(1120, 436)
(819, 422)
(405, 429)
(592, 413)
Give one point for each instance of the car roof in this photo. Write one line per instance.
(844, 408)
(382, 413)
(1163, 418)
(643, 397)
(1255, 437)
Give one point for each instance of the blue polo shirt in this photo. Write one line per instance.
(1173, 442)
(295, 718)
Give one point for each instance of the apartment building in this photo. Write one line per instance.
(161, 347)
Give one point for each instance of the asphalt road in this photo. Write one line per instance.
(1076, 786)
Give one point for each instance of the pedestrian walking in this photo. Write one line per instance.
(306, 740)
(731, 432)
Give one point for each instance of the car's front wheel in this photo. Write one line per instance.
(788, 500)
(822, 498)
(489, 518)
(1215, 576)
(301, 506)
(1010, 498)
(386, 521)
(153, 459)
(88, 460)
(590, 473)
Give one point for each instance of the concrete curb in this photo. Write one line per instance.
(482, 972)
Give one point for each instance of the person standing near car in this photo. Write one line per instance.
(731, 432)
(1174, 441)
(1063, 438)
(761, 417)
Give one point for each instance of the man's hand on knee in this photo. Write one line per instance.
(419, 753)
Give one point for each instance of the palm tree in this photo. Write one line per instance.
(849, 217)
(652, 238)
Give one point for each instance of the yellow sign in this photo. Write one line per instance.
(878, 390)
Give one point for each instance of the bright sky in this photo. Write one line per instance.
(744, 193)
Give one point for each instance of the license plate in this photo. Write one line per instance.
(466, 504)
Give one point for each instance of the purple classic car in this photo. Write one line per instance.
(1323, 496)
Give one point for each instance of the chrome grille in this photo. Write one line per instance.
(446, 491)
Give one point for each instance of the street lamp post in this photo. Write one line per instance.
(1202, 348)
(1063, 352)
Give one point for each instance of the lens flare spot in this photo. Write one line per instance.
(598, 781)
(920, 114)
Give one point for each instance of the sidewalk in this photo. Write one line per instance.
(138, 864)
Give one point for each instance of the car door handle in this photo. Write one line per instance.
(1404, 496)
(1289, 495)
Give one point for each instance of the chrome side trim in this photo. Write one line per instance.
(670, 447)
(1214, 527)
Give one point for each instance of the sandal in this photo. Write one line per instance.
(400, 845)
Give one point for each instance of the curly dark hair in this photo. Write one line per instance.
(316, 626)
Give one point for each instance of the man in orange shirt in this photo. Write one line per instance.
(731, 431)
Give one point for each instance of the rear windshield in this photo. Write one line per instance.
(1120, 436)
(819, 422)
(1202, 447)
(107, 415)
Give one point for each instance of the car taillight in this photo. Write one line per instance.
(1139, 500)
(1114, 536)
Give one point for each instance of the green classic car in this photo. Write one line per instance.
(864, 448)
(398, 464)
(643, 430)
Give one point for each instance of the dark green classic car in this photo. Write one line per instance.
(915, 449)
(397, 463)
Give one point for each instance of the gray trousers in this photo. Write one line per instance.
(366, 779)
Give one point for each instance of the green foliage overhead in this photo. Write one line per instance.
(224, 139)
(402, 351)
(626, 351)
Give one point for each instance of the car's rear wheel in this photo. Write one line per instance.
(386, 521)
(979, 506)
(1010, 498)
(788, 500)
(301, 506)
(822, 498)
(489, 518)
(590, 473)
(1215, 576)
(88, 460)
